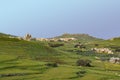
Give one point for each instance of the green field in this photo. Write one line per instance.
(29, 60)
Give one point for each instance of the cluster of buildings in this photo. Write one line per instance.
(28, 37)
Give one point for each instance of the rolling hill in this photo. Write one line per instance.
(36, 60)
(82, 37)
(14, 46)
(5, 35)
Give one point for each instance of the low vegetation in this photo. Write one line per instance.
(55, 44)
(42, 60)
(83, 62)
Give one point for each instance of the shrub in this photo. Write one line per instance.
(104, 58)
(55, 44)
(82, 62)
(96, 44)
(52, 64)
(81, 73)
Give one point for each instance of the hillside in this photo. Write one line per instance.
(14, 46)
(36, 60)
(115, 39)
(82, 37)
(4, 35)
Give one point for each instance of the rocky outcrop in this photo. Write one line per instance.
(67, 39)
(56, 39)
(41, 39)
(102, 50)
(115, 60)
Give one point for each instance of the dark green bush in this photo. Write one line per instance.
(52, 64)
(55, 44)
(80, 73)
(82, 62)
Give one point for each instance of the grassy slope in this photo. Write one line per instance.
(23, 57)
(81, 37)
(28, 59)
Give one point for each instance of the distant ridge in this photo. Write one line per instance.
(115, 38)
(85, 37)
(5, 35)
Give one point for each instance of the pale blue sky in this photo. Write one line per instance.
(49, 18)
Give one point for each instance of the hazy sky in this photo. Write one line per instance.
(48, 18)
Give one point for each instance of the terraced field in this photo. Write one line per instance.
(34, 60)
